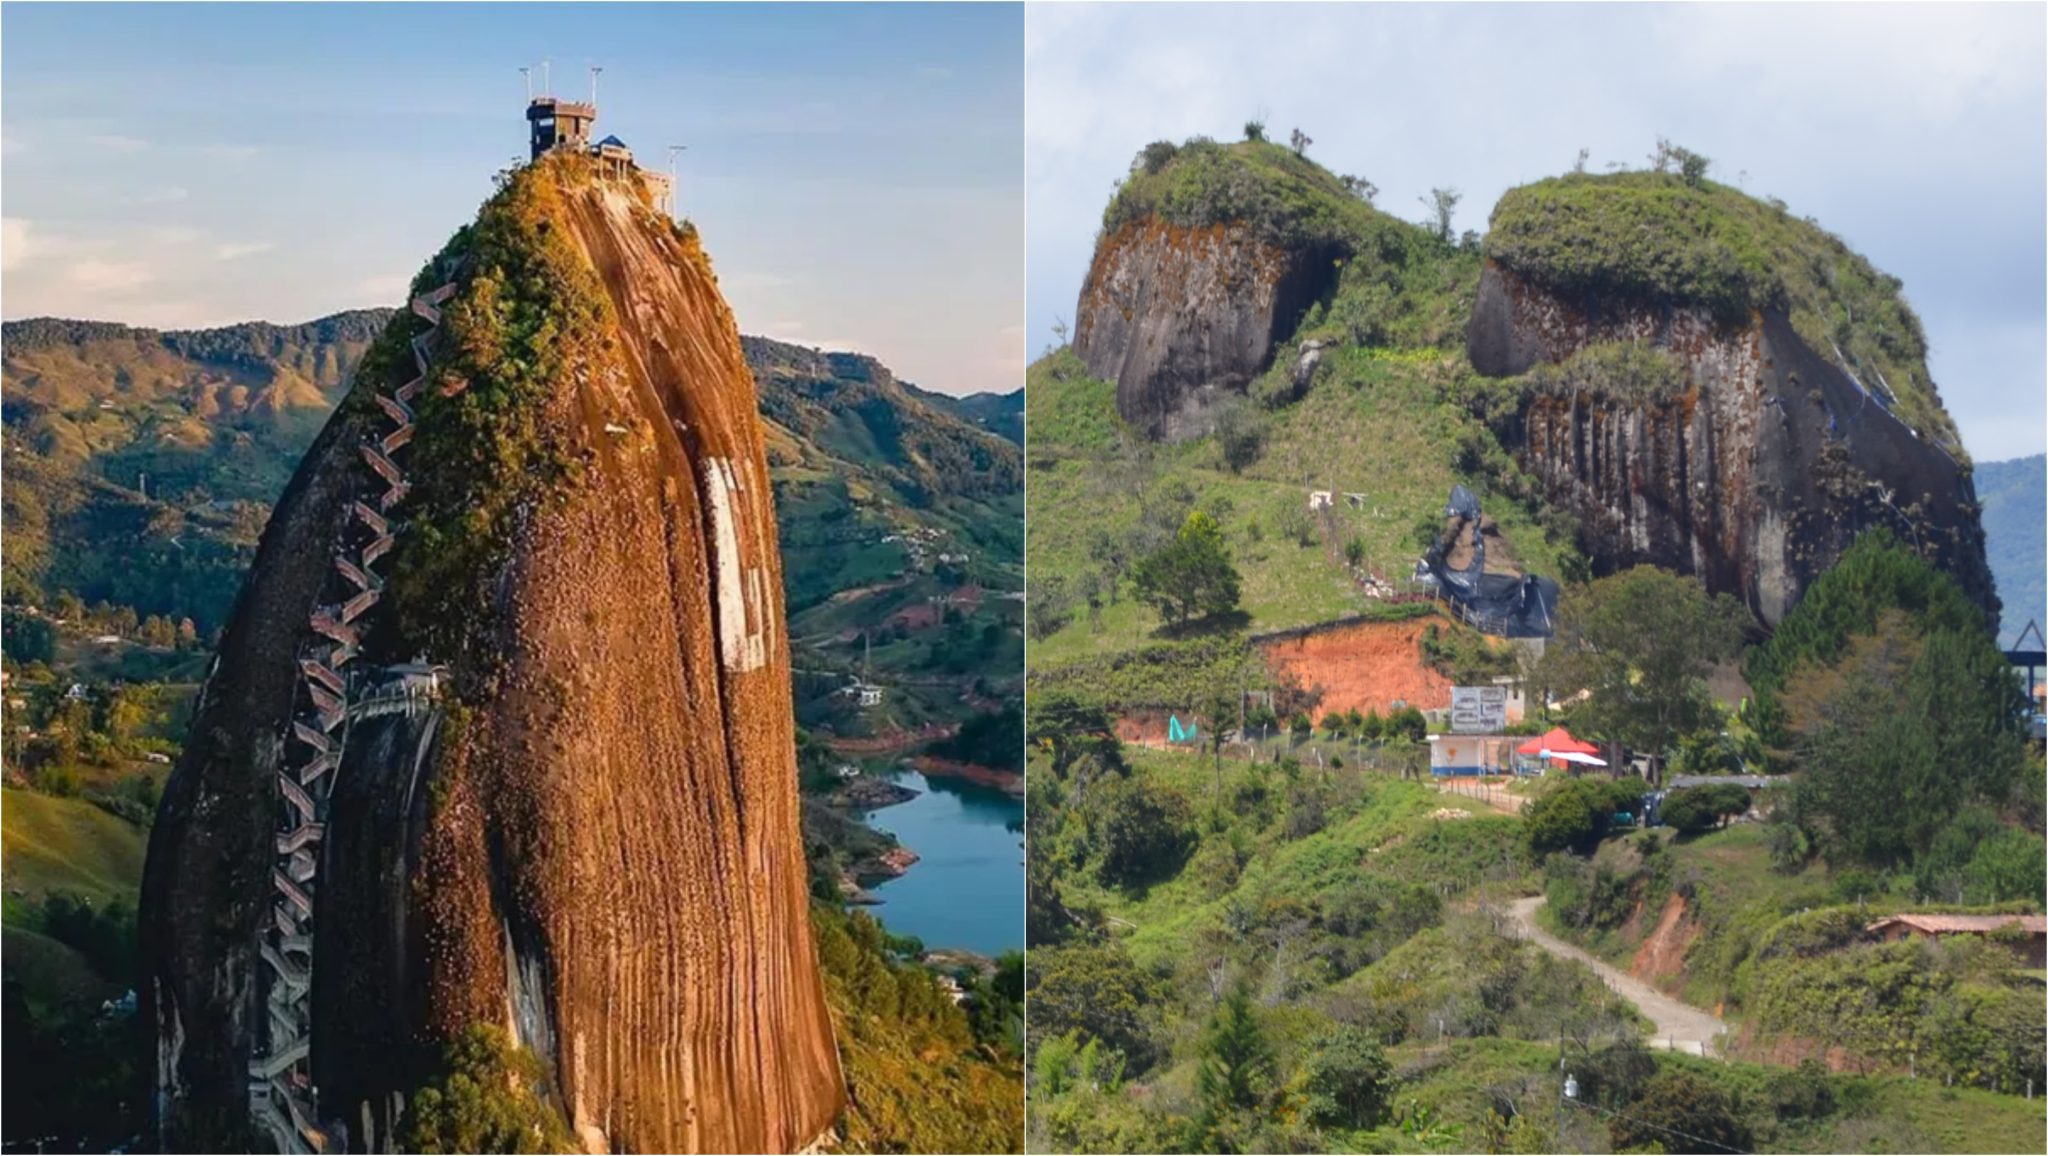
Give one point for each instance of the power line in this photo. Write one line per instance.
(1658, 1127)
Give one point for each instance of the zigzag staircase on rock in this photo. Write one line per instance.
(281, 1092)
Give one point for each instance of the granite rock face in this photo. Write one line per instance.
(589, 837)
(1181, 319)
(1754, 474)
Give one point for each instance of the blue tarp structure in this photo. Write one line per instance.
(1505, 604)
(1176, 733)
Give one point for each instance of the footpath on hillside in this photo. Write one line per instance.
(1679, 1027)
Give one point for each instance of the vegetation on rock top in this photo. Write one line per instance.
(1661, 236)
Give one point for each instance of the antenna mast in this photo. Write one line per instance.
(526, 74)
(672, 151)
(594, 70)
(547, 86)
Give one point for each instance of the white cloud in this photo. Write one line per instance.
(16, 242)
(117, 142)
(236, 250)
(384, 287)
(96, 276)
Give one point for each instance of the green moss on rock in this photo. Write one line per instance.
(530, 321)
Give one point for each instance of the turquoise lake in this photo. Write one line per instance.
(967, 888)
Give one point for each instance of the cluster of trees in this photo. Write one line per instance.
(105, 618)
(1885, 691)
(991, 739)
(1642, 643)
(1407, 724)
(1576, 814)
(61, 734)
(1692, 810)
(1945, 1011)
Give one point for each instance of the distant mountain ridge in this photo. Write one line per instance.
(2014, 496)
(212, 423)
(1001, 414)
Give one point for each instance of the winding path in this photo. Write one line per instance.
(1679, 1026)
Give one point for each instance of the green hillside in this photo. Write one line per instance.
(141, 464)
(1001, 414)
(1390, 413)
(1308, 946)
(67, 846)
(2014, 495)
(902, 537)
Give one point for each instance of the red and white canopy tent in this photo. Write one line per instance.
(1560, 747)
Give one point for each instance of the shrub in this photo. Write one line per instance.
(488, 1099)
(1143, 832)
(1681, 1112)
(1347, 1080)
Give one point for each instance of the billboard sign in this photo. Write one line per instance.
(1479, 710)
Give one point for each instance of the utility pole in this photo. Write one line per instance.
(526, 74)
(547, 87)
(672, 151)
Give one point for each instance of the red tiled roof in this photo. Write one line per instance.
(1941, 924)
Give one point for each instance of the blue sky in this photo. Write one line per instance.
(856, 169)
(1917, 134)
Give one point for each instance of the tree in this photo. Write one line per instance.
(1151, 159)
(1575, 814)
(1407, 723)
(1142, 832)
(1191, 576)
(1236, 1061)
(1240, 434)
(1112, 552)
(1079, 736)
(1347, 1079)
(1299, 142)
(488, 1100)
(1255, 130)
(1680, 1112)
(1359, 187)
(1046, 608)
(29, 639)
(1895, 739)
(1443, 206)
(1096, 991)
(1643, 642)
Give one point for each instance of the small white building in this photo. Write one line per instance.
(1319, 500)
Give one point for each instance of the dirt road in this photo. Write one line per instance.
(1679, 1027)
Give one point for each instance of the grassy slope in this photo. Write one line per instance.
(67, 845)
(1389, 814)
(1374, 423)
(1873, 1114)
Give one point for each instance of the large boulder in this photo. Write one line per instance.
(1181, 318)
(1751, 460)
(562, 795)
